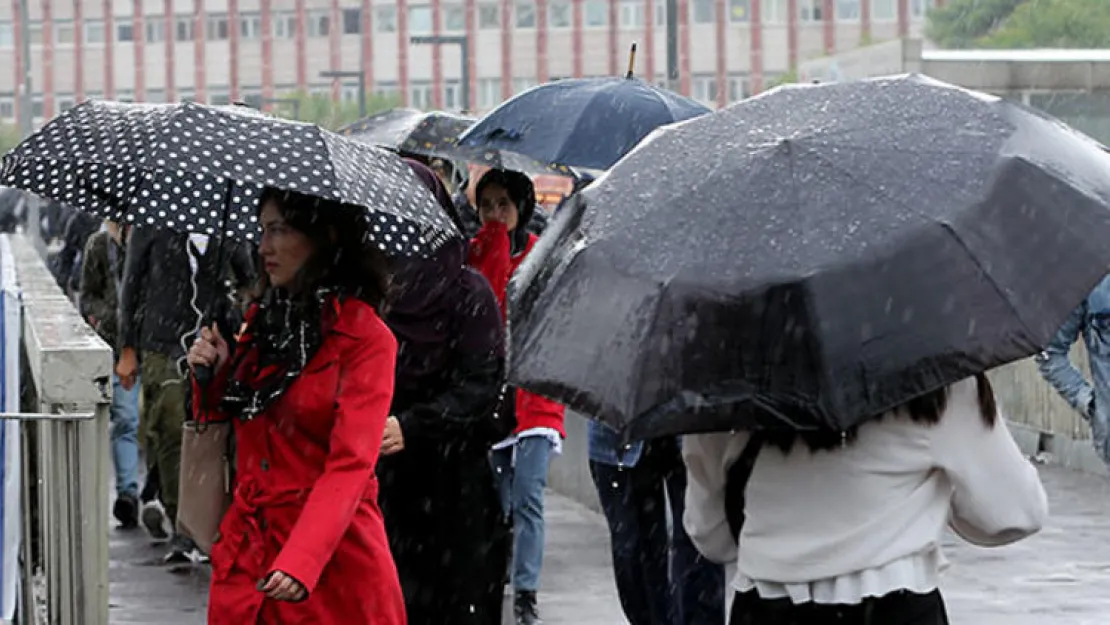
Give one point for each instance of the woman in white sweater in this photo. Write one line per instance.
(847, 528)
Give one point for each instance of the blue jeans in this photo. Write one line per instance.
(661, 579)
(520, 488)
(124, 414)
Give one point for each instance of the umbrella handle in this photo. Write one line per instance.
(631, 61)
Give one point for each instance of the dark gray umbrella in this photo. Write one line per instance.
(812, 257)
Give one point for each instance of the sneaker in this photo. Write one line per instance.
(126, 511)
(184, 550)
(154, 520)
(525, 609)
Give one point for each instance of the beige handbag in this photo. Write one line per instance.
(205, 491)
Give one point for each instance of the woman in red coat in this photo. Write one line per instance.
(309, 385)
(506, 202)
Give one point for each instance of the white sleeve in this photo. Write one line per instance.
(707, 458)
(997, 494)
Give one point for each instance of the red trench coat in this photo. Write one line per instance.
(306, 495)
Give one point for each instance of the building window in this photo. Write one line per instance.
(704, 11)
(705, 89)
(250, 26)
(420, 18)
(420, 95)
(386, 88)
(36, 33)
(37, 109)
(661, 14)
(740, 10)
(156, 96)
(63, 32)
(454, 18)
(451, 96)
(810, 10)
(884, 10)
(94, 31)
(597, 13)
(489, 16)
(737, 88)
(285, 25)
(632, 14)
(125, 31)
(489, 93)
(525, 14)
(217, 27)
(847, 10)
(7, 108)
(252, 98)
(352, 21)
(125, 95)
(65, 102)
(559, 14)
(155, 31)
(183, 28)
(219, 97)
(7, 35)
(319, 23)
(774, 11)
(523, 84)
(919, 8)
(386, 19)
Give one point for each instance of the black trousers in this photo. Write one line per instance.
(896, 608)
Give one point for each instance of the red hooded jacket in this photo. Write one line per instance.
(490, 254)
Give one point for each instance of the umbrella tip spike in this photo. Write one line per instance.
(631, 61)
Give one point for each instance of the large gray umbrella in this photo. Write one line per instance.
(812, 257)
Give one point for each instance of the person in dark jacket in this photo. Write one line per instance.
(79, 227)
(101, 270)
(446, 530)
(12, 209)
(170, 281)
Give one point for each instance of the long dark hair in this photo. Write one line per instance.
(344, 257)
(927, 408)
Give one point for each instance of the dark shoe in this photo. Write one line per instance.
(182, 551)
(154, 520)
(525, 609)
(126, 511)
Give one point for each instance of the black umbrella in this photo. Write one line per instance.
(197, 168)
(812, 257)
(409, 130)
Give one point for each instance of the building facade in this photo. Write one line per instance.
(257, 50)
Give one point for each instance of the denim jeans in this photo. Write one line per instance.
(661, 579)
(124, 415)
(520, 486)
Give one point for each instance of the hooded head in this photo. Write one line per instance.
(509, 197)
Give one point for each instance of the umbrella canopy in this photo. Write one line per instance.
(410, 130)
(197, 168)
(586, 122)
(812, 257)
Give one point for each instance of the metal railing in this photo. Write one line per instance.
(64, 428)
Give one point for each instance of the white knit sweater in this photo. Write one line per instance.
(867, 519)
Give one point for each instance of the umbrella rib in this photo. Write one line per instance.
(944, 224)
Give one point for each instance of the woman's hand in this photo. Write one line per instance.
(280, 586)
(393, 440)
(209, 350)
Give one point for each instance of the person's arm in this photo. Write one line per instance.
(136, 262)
(95, 277)
(707, 458)
(1058, 370)
(361, 407)
(490, 255)
(997, 495)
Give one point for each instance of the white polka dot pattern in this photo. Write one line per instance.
(181, 165)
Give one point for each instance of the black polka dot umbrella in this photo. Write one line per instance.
(197, 168)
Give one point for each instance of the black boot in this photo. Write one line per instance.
(525, 609)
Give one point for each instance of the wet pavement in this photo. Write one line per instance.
(1060, 577)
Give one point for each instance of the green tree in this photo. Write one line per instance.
(320, 109)
(1054, 24)
(961, 23)
(9, 137)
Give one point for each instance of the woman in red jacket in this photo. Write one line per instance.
(506, 201)
(308, 386)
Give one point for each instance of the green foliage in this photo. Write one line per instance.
(9, 137)
(1054, 24)
(783, 79)
(318, 108)
(961, 23)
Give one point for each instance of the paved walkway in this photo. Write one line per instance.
(1059, 577)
